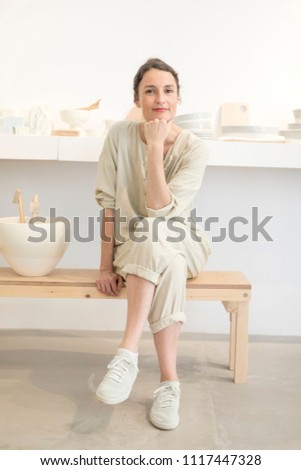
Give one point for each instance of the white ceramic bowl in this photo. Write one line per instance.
(76, 118)
(32, 250)
(297, 115)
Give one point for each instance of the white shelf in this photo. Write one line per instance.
(28, 147)
(87, 149)
(79, 149)
(255, 154)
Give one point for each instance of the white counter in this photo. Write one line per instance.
(87, 149)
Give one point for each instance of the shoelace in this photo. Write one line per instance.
(166, 395)
(118, 367)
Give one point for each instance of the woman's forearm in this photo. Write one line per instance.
(107, 239)
(157, 192)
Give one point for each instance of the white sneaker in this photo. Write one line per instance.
(117, 384)
(165, 410)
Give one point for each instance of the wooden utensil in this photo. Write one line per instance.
(18, 200)
(92, 106)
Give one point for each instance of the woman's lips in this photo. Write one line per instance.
(160, 110)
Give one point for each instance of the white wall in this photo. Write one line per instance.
(69, 53)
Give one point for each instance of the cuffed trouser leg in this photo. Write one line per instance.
(169, 297)
(167, 264)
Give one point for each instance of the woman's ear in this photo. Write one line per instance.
(137, 103)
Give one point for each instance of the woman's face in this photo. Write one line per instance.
(158, 95)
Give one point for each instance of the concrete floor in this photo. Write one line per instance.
(48, 379)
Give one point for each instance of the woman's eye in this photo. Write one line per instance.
(149, 91)
(169, 90)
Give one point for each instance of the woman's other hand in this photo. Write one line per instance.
(109, 283)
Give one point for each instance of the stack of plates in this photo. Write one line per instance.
(251, 134)
(293, 132)
(199, 124)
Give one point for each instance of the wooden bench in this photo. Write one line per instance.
(230, 287)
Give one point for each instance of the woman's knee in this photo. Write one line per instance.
(177, 266)
(151, 229)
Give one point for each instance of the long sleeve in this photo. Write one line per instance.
(186, 183)
(105, 191)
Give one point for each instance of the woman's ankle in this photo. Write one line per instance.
(129, 347)
(169, 378)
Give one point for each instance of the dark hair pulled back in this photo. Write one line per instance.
(153, 63)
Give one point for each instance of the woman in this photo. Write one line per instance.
(148, 176)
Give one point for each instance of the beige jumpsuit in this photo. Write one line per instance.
(164, 246)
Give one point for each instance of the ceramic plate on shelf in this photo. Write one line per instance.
(291, 134)
(249, 130)
(192, 117)
(278, 139)
(200, 131)
(194, 124)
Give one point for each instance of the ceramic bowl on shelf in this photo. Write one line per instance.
(297, 115)
(76, 118)
(33, 249)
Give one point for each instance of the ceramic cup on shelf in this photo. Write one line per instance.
(297, 115)
(76, 118)
(33, 249)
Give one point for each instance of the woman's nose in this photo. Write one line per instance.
(160, 98)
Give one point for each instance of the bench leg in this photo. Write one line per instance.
(233, 318)
(232, 308)
(241, 348)
(238, 353)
